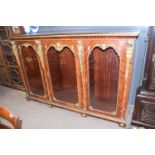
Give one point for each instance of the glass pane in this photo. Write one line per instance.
(10, 58)
(32, 70)
(103, 79)
(3, 33)
(63, 75)
(15, 76)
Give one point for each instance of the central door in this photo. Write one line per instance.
(63, 74)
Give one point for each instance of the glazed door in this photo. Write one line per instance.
(64, 72)
(103, 79)
(106, 72)
(9, 64)
(33, 69)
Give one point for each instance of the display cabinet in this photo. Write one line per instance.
(87, 73)
(9, 69)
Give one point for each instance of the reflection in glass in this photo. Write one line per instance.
(63, 74)
(103, 79)
(32, 70)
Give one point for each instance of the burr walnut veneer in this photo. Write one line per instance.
(87, 73)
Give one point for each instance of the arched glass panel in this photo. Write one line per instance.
(32, 69)
(63, 74)
(103, 79)
(9, 56)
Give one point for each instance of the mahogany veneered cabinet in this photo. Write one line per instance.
(85, 73)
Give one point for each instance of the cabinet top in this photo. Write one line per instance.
(74, 35)
(77, 31)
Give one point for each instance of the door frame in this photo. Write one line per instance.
(29, 93)
(59, 45)
(124, 49)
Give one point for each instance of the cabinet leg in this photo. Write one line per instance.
(122, 125)
(83, 115)
(27, 99)
(50, 105)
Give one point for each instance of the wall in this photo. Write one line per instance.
(139, 63)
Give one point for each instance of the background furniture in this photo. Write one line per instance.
(10, 118)
(9, 70)
(144, 113)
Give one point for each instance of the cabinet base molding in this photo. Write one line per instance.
(50, 105)
(13, 87)
(27, 99)
(142, 125)
(83, 114)
(121, 123)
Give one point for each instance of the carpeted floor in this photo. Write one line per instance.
(35, 115)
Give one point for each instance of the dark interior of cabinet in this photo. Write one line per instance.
(9, 69)
(3, 33)
(103, 79)
(63, 74)
(8, 54)
(1, 57)
(14, 75)
(150, 62)
(4, 79)
(32, 69)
